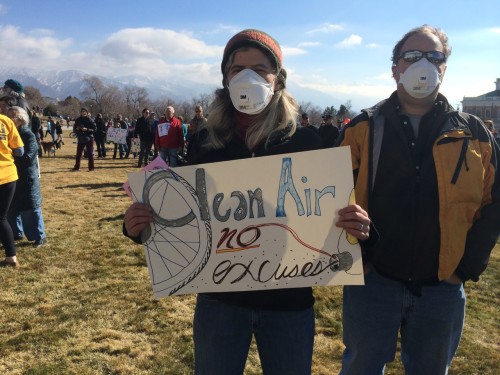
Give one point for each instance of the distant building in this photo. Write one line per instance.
(486, 106)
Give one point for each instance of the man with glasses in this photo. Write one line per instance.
(304, 121)
(428, 177)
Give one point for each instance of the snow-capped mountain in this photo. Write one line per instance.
(59, 84)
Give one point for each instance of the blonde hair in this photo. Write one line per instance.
(281, 113)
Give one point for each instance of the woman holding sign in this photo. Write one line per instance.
(253, 115)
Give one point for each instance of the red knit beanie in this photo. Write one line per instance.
(254, 38)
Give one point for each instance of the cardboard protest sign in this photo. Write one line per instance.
(163, 129)
(117, 135)
(135, 145)
(260, 223)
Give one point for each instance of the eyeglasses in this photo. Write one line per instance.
(435, 57)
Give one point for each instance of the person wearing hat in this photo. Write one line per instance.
(16, 89)
(261, 122)
(328, 132)
(304, 121)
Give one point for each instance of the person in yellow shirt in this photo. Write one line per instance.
(10, 145)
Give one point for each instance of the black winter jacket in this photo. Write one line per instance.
(28, 194)
(84, 122)
(304, 139)
(145, 131)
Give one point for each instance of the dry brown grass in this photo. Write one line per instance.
(82, 304)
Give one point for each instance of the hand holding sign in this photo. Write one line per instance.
(214, 232)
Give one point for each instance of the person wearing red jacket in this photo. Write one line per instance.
(169, 137)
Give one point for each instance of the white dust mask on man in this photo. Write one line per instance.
(420, 79)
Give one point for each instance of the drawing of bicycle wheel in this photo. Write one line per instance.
(179, 243)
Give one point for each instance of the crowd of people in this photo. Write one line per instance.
(145, 137)
(427, 220)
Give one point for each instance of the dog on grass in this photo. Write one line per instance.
(59, 143)
(49, 148)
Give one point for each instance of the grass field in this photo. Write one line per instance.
(83, 304)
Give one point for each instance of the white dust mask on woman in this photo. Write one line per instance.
(249, 92)
(420, 79)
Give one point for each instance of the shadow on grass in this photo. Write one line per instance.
(116, 185)
(57, 157)
(113, 218)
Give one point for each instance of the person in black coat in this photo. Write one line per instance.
(328, 132)
(25, 214)
(145, 130)
(36, 128)
(84, 128)
(100, 136)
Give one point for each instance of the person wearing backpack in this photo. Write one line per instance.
(429, 178)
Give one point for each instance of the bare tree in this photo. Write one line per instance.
(113, 101)
(136, 98)
(314, 112)
(108, 100)
(186, 110)
(94, 90)
(34, 97)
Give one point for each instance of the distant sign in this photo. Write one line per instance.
(117, 135)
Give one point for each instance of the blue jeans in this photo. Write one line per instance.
(122, 150)
(169, 155)
(30, 222)
(223, 334)
(430, 326)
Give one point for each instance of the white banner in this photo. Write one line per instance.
(259, 223)
(117, 135)
(163, 129)
(135, 145)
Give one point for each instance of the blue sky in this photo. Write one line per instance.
(340, 48)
